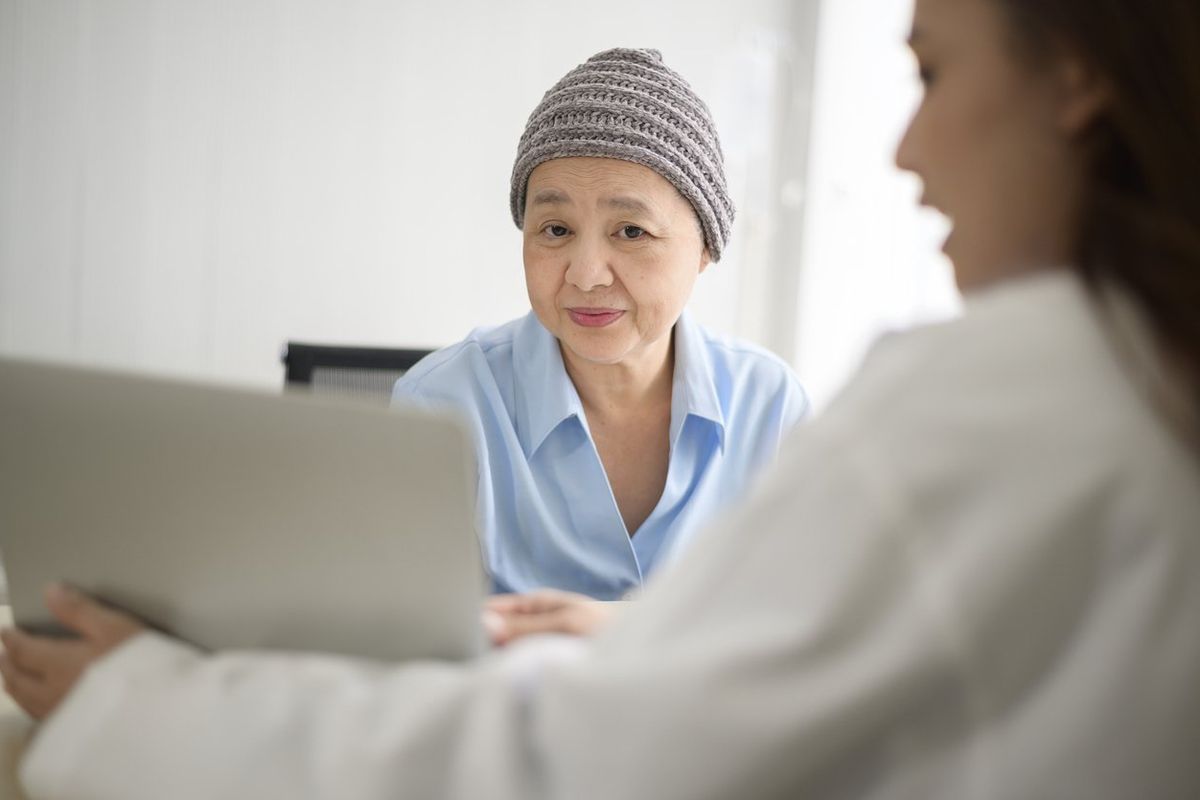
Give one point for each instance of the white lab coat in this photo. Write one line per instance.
(977, 575)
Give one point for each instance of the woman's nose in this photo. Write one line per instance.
(589, 268)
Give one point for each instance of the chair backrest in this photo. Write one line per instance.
(366, 372)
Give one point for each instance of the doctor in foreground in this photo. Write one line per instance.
(976, 575)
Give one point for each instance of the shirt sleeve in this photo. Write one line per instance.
(406, 392)
(796, 405)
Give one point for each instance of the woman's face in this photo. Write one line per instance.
(612, 251)
(993, 141)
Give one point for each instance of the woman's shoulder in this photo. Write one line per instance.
(742, 357)
(748, 367)
(483, 357)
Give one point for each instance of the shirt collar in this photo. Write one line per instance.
(545, 396)
(694, 388)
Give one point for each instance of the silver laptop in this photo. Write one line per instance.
(240, 519)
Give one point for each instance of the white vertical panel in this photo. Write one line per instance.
(40, 238)
(10, 80)
(765, 98)
(184, 171)
(115, 60)
(871, 258)
(245, 195)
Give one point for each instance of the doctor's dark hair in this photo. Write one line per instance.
(1140, 228)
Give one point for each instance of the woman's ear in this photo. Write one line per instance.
(1083, 95)
(705, 259)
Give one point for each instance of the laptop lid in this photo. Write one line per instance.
(240, 519)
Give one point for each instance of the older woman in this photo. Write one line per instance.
(609, 425)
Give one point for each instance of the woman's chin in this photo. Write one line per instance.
(591, 346)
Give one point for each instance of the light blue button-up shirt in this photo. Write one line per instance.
(546, 513)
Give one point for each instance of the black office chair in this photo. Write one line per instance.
(364, 372)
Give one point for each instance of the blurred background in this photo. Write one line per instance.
(185, 185)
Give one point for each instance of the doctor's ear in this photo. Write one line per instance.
(1083, 94)
(705, 259)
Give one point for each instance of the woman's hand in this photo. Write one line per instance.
(510, 616)
(39, 671)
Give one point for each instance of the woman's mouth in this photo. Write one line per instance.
(594, 317)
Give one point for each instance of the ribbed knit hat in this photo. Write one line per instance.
(626, 104)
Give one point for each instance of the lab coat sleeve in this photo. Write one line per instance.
(157, 719)
(761, 664)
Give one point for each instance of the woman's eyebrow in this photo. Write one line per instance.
(625, 203)
(551, 197)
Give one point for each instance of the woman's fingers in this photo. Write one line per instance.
(29, 692)
(535, 602)
(14, 651)
(504, 628)
(38, 655)
(39, 671)
(510, 616)
(503, 603)
(17, 684)
(99, 624)
(495, 625)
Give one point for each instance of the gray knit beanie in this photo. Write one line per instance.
(626, 104)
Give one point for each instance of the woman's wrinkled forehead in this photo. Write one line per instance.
(606, 184)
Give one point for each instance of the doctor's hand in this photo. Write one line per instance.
(507, 617)
(39, 671)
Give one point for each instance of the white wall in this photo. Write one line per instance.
(870, 259)
(186, 184)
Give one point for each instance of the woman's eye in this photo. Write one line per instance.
(632, 232)
(556, 231)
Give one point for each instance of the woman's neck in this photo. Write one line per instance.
(634, 384)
